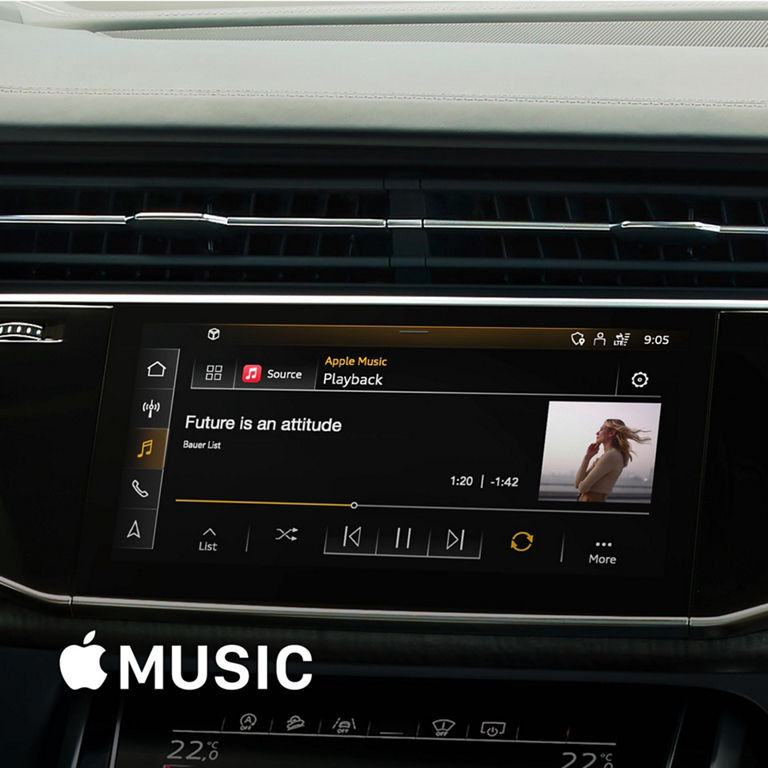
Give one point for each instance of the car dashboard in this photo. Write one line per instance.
(383, 383)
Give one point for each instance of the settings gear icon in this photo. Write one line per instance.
(639, 379)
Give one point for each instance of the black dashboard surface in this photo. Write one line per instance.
(657, 115)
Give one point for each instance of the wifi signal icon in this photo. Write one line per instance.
(150, 407)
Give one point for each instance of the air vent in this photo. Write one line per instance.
(396, 227)
(267, 230)
(681, 238)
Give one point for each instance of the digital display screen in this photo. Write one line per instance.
(455, 723)
(431, 455)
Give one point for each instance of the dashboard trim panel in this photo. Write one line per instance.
(434, 617)
(69, 300)
(697, 622)
(91, 300)
(35, 594)
(742, 616)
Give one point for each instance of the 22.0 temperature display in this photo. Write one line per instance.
(202, 751)
(588, 760)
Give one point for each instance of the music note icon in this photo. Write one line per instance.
(251, 374)
(146, 449)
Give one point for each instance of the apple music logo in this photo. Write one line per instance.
(251, 374)
(80, 667)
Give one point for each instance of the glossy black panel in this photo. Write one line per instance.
(732, 570)
(409, 723)
(179, 562)
(49, 399)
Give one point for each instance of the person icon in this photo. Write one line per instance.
(599, 339)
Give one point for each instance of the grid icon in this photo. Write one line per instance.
(214, 372)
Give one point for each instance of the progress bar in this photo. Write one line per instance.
(266, 503)
(437, 507)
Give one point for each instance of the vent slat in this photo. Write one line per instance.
(474, 231)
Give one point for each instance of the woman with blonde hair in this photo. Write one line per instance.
(595, 482)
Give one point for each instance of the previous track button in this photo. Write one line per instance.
(350, 539)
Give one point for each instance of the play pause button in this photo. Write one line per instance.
(403, 541)
(456, 542)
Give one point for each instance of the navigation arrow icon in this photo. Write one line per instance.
(209, 531)
(452, 539)
(134, 532)
(353, 536)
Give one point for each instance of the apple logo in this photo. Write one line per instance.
(80, 665)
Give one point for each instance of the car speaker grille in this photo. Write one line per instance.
(416, 228)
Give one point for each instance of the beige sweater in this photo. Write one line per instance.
(602, 475)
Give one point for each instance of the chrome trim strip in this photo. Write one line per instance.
(86, 300)
(180, 217)
(405, 223)
(35, 304)
(174, 217)
(734, 617)
(68, 219)
(46, 597)
(432, 617)
(287, 221)
(670, 226)
(576, 226)
(728, 229)
(540, 226)
(675, 739)
(116, 735)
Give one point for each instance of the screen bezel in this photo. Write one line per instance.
(396, 589)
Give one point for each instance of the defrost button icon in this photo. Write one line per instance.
(294, 723)
(443, 727)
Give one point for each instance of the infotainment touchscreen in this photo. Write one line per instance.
(489, 450)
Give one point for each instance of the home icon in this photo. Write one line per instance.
(156, 370)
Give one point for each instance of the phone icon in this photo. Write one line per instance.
(139, 490)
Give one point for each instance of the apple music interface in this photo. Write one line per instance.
(422, 447)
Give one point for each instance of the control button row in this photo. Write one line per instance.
(349, 724)
(272, 373)
(150, 418)
(403, 541)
